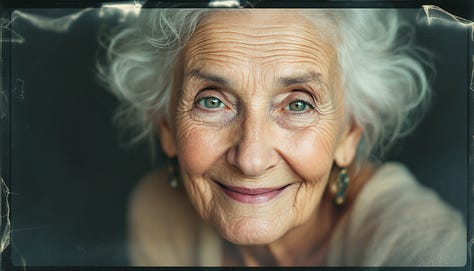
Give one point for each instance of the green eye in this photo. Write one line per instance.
(297, 105)
(211, 102)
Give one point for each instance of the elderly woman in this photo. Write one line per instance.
(271, 120)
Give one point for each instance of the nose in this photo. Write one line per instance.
(253, 152)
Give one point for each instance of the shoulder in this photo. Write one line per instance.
(395, 222)
(162, 223)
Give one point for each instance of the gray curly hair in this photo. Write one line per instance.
(383, 71)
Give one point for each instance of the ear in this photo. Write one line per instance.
(347, 147)
(168, 142)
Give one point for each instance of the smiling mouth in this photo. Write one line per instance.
(249, 195)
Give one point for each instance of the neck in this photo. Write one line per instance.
(306, 244)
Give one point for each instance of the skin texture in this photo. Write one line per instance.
(258, 103)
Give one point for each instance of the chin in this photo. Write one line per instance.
(253, 232)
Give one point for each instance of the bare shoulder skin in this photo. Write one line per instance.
(163, 224)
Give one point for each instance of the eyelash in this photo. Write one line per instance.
(200, 100)
(292, 100)
(302, 101)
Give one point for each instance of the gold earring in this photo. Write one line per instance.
(339, 187)
(172, 173)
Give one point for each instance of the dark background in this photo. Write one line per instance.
(70, 178)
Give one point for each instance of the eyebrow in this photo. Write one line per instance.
(310, 77)
(207, 77)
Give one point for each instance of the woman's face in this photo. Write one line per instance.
(257, 122)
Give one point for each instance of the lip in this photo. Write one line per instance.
(251, 195)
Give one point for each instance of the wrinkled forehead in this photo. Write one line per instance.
(265, 38)
(255, 22)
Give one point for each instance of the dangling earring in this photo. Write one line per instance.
(172, 173)
(340, 186)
